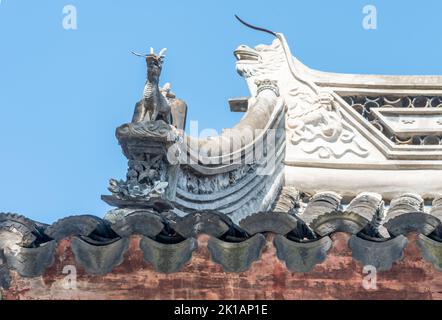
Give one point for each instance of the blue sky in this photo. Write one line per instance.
(63, 92)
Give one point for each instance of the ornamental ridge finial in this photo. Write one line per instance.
(255, 27)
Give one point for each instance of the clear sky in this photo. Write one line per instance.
(63, 92)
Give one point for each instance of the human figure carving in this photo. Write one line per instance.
(153, 106)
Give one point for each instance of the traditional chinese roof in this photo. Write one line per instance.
(348, 170)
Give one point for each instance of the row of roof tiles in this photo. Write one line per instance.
(302, 240)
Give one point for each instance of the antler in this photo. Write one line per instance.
(161, 54)
(139, 54)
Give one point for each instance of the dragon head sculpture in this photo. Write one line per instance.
(263, 62)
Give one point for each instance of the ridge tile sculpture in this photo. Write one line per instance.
(145, 142)
(154, 105)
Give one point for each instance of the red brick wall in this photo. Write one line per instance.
(339, 277)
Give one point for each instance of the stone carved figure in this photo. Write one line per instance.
(178, 107)
(313, 119)
(158, 118)
(154, 105)
(145, 179)
(214, 183)
(316, 122)
(256, 65)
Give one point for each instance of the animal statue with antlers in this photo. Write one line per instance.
(154, 105)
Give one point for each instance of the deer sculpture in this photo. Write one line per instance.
(153, 106)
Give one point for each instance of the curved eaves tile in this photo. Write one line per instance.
(431, 250)
(321, 203)
(99, 259)
(167, 258)
(337, 221)
(236, 256)
(287, 200)
(10, 239)
(379, 254)
(405, 203)
(31, 262)
(366, 204)
(333, 199)
(276, 222)
(211, 223)
(299, 256)
(419, 222)
(82, 225)
(19, 226)
(436, 209)
(141, 223)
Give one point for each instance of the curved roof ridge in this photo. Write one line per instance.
(335, 79)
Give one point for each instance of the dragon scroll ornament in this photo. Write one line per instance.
(313, 119)
(315, 123)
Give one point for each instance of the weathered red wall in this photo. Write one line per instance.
(339, 277)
